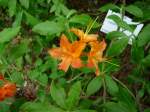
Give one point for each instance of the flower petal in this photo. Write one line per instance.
(77, 48)
(55, 52)
(78, 33)
(64, 65)
(90, 37)
(64, 43)
(77, 63)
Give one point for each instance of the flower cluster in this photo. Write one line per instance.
(7, 89)
(70, 53)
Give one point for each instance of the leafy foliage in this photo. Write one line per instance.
(30, 28)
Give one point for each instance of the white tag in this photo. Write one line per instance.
(109, 25)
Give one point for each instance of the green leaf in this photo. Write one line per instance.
(146, 61)
(12, 7)
(124, 96)
(108, 6)
(17, 77)
(144, 36)
(116, 107)
(31, 20)
(84, 20)
(43, 79)
(25, 3)
(111, 85)
(137, 53)
(39, 107)
(134, 10)
(8, 33)
(117, 46)
(19, 50)
(120, 22)
(18, 19)
(147, 110)
(84, 111)
(115, 35)
(74, 95)
(58, 94)
(48, 28)
(94, 86)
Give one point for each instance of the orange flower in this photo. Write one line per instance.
(68, 53)
(7, 90)
(84, 37)
(96, 55)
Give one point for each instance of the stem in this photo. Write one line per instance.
(124, 87)
(69, 81)
(90, 26)
(104, 93)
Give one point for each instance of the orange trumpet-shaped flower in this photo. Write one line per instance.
(96, 55)
(7, 89)
(84, 37)
(68, 53)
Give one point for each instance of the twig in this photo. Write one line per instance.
(124, 87)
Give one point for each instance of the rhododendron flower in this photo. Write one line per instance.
(68, 53)
(84, 37)
(96, 55)
(7, 89)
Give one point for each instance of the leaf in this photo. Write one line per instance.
(137, 53)
(120, 22)
(94, 86)
(146, 61)
(116, 107)
(111, 85)
(115, 35)
(134, 10)
(31, 20)
(8, 33)
(117, 46)
(39, 107)
(144, 36)
(124, 96)
(58, 94)
(25, 3)
(17, 77)
(74, 95)
(84, 111)
(43, 79)
(48, 28)
(19, 50)
(108, 7)
(147, 110)
(83, 19)
(12, 7)
(18, 19)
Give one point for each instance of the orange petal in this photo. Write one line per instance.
(77, 63)
(64, 43)
(102, 45)
(10, 89)
(90, 37)
(55, 52)
(77, 48)
(78, 32)
(64, 65)
(2, 94)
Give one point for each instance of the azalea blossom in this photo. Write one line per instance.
(8, 89)
(84, 37)
(68, 53)
(96, 55)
